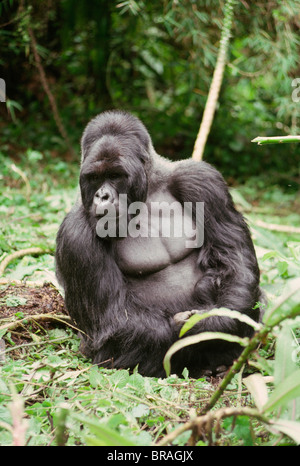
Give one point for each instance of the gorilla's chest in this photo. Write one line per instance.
(158, 236)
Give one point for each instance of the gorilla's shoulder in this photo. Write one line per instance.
(202, 171)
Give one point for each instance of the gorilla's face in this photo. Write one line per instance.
(113, 165)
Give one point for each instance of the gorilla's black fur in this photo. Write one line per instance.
(123, 293)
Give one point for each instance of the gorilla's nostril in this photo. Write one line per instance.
(102, 196)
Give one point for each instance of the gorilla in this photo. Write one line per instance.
(131, 276)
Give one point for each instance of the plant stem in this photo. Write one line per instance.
(22, 252)
(236, 367)
(275, 139)
(205, 422)
(216, 83)
(272, 321)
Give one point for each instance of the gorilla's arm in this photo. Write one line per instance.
(227, 257)
(85, 272)
(115, 325)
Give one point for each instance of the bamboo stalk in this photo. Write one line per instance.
(216, 83)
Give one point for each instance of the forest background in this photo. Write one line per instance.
(63, 62)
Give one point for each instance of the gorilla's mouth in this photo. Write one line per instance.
(108, 215)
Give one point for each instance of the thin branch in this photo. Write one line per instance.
(205, 422)
(24, 178)
(8, 22)
(275, 227)
(19, 424)
(46, 87)
(28, 283)
(38, 317)
(20, 253)
(276, 139)
(216, 83)
(235, 368)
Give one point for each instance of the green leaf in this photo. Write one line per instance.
(239, 199)
(271, 255)
(290, 428)
(119, 378)
(258, 389)
(284, 363)
(34, 155)
(221, 312)
(104, 436)
(14, 301)
(96, 378)
(140, 410)
(294, 248)
(242, 430)
(286, 391)
(282, 267)
(276, 313)
(57, 333)
(192, 340)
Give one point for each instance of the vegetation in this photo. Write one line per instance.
(155, 59)
(68, 401)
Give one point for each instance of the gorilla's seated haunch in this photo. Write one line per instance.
(131, 294)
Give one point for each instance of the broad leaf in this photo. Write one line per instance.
(284, 363)
(289, 428)
(198, 338)
(104, 436)
(286, 391)
(221, 312)
(258, 389)
(276, 313)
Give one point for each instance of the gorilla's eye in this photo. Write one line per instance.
(93, 177)
(114, 176)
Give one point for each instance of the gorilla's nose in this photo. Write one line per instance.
(104, 196)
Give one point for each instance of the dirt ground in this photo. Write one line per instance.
(29, 301)
(32, 301)
(42, 300)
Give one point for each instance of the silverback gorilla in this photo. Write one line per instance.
(129, 294)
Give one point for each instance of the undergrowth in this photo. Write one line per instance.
(51, 395)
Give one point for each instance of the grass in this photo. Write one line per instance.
(56, 383)
(51, 395)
